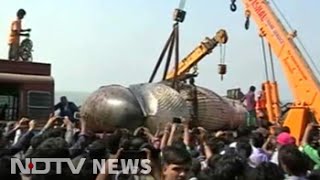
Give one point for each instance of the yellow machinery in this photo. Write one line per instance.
(302, 80)
(199, 53)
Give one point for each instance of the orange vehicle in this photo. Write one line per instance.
(301, 79)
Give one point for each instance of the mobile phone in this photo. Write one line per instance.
(76, 115)
(59, 120)
(25, 122)
(176, 120)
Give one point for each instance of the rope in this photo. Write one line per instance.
(308, 55)
(174, 83)
(264, 58)
(168, 58)
(182, 4)
(222, 53)
(282, 15)
(156, 68)
(299, 41)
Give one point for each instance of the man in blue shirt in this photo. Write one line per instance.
(66, 108)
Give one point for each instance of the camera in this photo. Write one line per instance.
(59, 120)
(195, 131)
(77, 115)
(176, 120)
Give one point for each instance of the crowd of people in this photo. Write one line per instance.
(176, 152)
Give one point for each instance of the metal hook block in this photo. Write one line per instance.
(179, 15)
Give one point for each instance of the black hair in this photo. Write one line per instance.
(216, 145)
(286, 129)
(243, 130)
(86, 171)
(293, 159)
(179, 144)
(257, 139)
(132, 143)
(97, 150)
(229, 166)
(174, 155)
(21, 13)
(267, 171)
(113, 142)
(5, 169)
(50, 133)
(63, 97)
(55, 147)
(252, 88)
(213, 160)
(206, 174)
(196, 167)
(244, 149)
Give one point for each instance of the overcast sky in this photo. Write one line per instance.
(100, 42)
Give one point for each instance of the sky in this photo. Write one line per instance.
(102, 42)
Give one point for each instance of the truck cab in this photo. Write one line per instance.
(26, 90)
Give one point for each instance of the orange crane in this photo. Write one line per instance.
(199, 53)
(302, 80)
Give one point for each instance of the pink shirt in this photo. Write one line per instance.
(250, 101)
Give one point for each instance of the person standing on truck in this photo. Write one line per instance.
(250, 104)
(15, 32)
(261, 108)
(66, 108)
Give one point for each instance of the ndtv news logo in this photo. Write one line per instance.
(127, 166)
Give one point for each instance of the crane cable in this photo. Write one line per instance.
(299, 41)
(222, 66)
(272, 64)
(182, 4)
(222, 53)
(264, 59)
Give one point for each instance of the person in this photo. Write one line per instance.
(310, 144)
(3, 112)
(66, 108)
(261, 103)
(193, 99)
(250, 103)
(258, 155)
(293, 163)
(177, 163)
(15, 32)
(283, 139)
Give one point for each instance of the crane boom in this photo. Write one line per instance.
(198, 53)
(300, 77)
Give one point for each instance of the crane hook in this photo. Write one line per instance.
(247, 23)
(233, 6)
